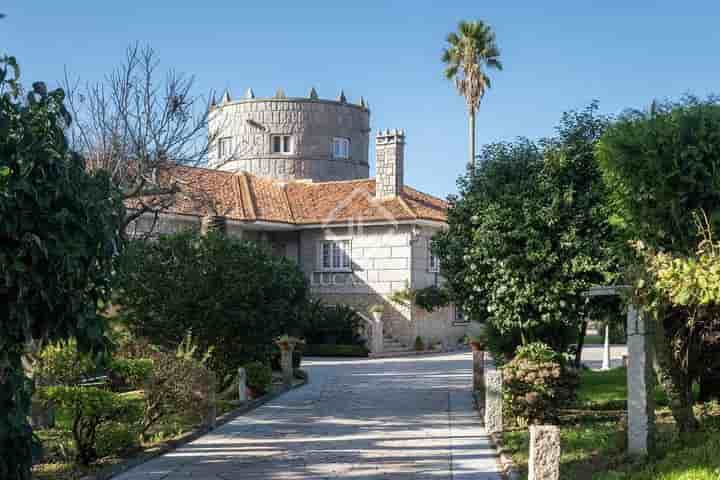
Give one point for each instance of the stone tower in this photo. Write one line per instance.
(390, 157)
(291, 138)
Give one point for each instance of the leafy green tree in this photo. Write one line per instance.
(662, 167)
(529, 234)
(58, 234)
(471, 51)
(233, 295)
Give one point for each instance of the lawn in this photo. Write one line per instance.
(593, 442)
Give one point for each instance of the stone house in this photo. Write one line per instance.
(293, 173)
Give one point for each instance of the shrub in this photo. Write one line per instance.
(176, 384)
(419, 345)
(536, 384)
(115, 438)
(337, 324)
(320, 350)
(259, 376)
(61, 364)
(90, 407)
(129, 372)
(234, 295)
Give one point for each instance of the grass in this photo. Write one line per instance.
(593, 444)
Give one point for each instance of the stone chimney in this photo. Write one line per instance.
(389, 160)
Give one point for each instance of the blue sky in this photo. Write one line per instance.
(558, 55)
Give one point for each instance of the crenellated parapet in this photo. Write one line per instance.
(291, 137)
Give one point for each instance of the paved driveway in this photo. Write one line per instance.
(399, 418)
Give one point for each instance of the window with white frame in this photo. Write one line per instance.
(281, 143)
(335, 255)
(433, 261)
(341, 148)
(224, 147)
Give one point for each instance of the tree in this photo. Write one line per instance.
(529, 234)
(58, 234)
(471, 52)
(233, 295)
(662, 167)
(134, 125)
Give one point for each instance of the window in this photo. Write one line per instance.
(335, 255)
(460, 316)
(224, 147)
(341, 147)
(281, 144)
(433, 261)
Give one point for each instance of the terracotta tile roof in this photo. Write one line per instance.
(246, 197)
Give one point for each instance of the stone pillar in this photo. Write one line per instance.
(544, 461)
(377, 333)
(640, 381)
(286, 362)
(242, 385)
(606, 349)
(493, 398)
(478, 373)
(210, 413)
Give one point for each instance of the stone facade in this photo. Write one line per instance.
(384, 259)
(247, 126)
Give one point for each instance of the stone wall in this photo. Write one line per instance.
(250, 123)
(439, 325)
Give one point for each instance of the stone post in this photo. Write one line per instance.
(493, 398)
(544, 461)
(606, 349)
(242, 385)
(377, 332)
(286, 362)
(478, 370)
(210, 413)
(287, 344)
(640, 381)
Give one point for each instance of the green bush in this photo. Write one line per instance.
(115, 438)
(62, 364)
(419, 345)
(176, 385)
(536, 384)
(337, 324)
(320, 350)
(89, 408)
(234, 295)
(129, 372)
(259, 377)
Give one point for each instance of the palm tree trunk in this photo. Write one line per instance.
(472, 143)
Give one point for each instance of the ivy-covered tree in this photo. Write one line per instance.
(233, 295)
(58, 234)
(529, 234)
(662, 167)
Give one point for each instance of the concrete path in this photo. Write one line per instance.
(395, 418)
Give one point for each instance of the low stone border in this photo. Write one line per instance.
(174, 443)
(509, 469)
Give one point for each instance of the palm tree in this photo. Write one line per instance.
(470, 53)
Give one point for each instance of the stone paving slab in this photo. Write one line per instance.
(365, 419)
